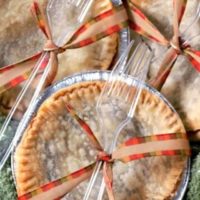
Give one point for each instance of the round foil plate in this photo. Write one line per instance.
(95, 76)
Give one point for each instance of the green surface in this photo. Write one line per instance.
(7, 187)
(193, 192)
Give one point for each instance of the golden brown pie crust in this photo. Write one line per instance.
(167, 171)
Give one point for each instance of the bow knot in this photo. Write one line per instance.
(50, 46)
(179, 45)
(103, 156)
(176, 44)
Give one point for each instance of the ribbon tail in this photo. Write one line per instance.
(108, 179)
(53, 61)
(143, 26)
(85, 127)
(13, 75)
(179, 9)
(165, 69)
(60, 187)
(41, 19)
(194, 57)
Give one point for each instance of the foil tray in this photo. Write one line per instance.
(94, 76)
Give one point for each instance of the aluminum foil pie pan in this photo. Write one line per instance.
(96, 76)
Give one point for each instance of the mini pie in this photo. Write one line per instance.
(182, 86)
(25, 39)
(53, 145)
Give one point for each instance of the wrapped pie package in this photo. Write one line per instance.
(54, 145)
(22, 39)
(27, 37)
(182, 85)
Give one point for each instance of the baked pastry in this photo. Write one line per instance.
(20, 37)
(54, 145)
(182, 86)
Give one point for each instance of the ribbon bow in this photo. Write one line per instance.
(132, 149)
(105, 24)
(142, 25)
(49, 46)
